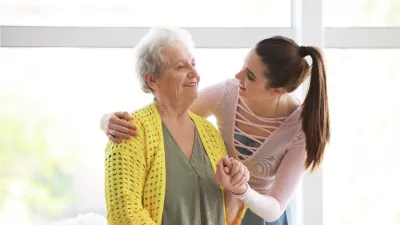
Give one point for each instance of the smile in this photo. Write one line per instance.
(193, 84)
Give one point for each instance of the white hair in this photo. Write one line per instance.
(149, 57)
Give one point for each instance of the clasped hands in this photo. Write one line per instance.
(233, 175)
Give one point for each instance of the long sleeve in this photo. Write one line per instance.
(125, 172)
(208, 100)
(291, 170)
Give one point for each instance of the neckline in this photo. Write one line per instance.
(195, 141)
(285, 120)
(295, 108)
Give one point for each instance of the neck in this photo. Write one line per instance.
(272, 107)
(172, 112)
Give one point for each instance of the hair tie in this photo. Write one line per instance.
(303, 51)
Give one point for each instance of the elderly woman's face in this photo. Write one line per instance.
(179, 79)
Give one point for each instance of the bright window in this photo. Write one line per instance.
(51, 100)
(361, 169)
(184, 13)
(364, 13)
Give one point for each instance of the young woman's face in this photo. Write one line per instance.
(253, 83)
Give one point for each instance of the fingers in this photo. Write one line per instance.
(247, 174)
(227, 170)
(239, 175)
(235, 167)
(120, 122)
(113, 139)
(227, 162)
(123, 115)
(119, 135)
(220, 167)
(118, 128)
(121, 132)
(241, 181)
(235, 170)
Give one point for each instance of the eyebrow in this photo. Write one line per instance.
(184, 60)
(179, 61)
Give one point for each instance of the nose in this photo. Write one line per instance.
(193, 73)
(240, 74)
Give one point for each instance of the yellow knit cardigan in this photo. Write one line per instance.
(135, 176)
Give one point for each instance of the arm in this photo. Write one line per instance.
(208, 100)
(124, 180)
(271, 206)
(234, 208)
(117, 126)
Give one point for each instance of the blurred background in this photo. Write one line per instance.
(65, 63)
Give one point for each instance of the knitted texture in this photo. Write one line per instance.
(135, 175)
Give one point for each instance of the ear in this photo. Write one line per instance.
(278, 91)
(150, 80)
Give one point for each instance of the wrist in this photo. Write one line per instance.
(240, 190)
(103, 122)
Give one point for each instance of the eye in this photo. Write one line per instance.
(249, 75)
(180, 66)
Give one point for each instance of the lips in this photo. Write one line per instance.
(242, 88)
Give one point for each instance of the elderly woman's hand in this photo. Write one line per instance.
(232, 175)
(115, 126)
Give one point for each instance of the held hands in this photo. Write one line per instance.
(232, 175)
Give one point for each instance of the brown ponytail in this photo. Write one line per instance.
(287, 68)
(315, 113)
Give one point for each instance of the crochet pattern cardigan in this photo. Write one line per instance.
(135, 175)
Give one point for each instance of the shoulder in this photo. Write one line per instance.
(230, 93)
(231, 89)
(146, 116)
(145, 113)
(231, 84)
(203, 123)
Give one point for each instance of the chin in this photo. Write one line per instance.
(189, 99)
(193, 98)
(194, 93)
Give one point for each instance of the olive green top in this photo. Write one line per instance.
(191, 197)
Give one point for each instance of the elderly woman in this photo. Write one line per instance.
(171, 172)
